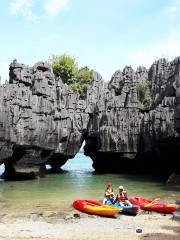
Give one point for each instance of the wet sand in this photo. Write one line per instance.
(52, 224)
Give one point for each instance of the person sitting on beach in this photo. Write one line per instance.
(122, 197)
(109, 194)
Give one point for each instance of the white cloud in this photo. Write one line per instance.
(169, 48)
(17, 5)
(173, 8)
(4, 71)
(54, 7)
(51, 7)
(24, 7)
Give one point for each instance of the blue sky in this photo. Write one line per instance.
(106, 35)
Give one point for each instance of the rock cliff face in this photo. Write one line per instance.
(130, 137)
(43, 122)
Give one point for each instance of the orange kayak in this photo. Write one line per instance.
(97, 208)
(151, 205)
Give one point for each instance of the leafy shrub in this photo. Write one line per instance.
(144, 90)
(66, 67)
(84, 79)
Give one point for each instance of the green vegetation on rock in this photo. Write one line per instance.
(66, 67)
(144, 91)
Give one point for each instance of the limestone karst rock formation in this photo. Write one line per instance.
(134, 138)
(42, 121)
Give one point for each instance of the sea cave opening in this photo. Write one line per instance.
(80, 162)
(2, 169)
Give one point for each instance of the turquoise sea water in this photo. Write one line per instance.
(78, 180)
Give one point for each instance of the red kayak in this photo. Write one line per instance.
(153, 205)
(97, 208)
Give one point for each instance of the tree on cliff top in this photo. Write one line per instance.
(66, 67)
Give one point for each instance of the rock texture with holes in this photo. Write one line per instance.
(42, 121)
(126, 136)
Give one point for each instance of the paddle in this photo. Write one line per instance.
(156, 199)
(151, 203)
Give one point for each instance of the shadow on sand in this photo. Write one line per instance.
(175, 235)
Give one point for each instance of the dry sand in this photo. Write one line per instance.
(64, 226)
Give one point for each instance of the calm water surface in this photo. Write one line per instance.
(77, 181)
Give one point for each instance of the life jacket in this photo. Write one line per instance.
(108, 192)
(122, 197)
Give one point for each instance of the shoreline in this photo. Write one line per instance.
(43, 210)
(74, 225)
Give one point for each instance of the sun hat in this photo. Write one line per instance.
(121, 187)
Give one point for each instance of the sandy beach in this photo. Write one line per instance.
(68, 225)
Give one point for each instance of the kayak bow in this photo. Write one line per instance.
(153, 205)
(129, 210)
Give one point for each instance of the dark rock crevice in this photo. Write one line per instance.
(25, 163)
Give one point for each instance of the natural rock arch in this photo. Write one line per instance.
(43, 122)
